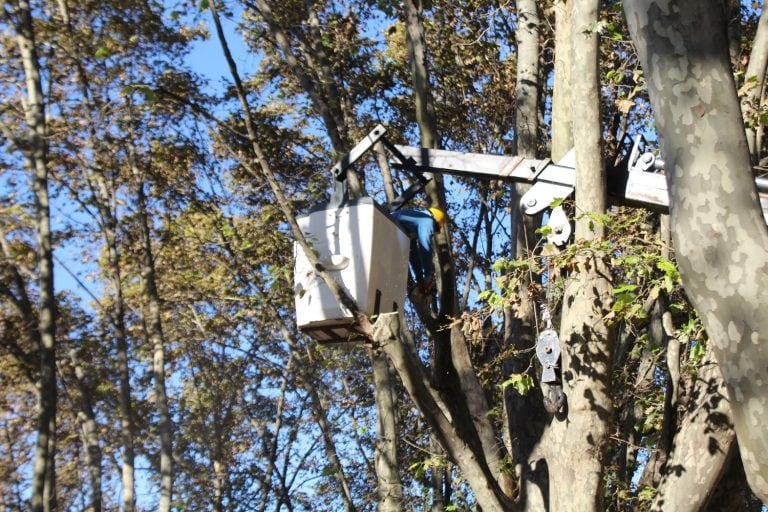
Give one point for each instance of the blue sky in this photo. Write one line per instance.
(207, 58)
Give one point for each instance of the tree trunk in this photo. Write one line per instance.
(271, 449)
(417, 53)
(390, 488)
(396, 342)
(153, 324)
(717, 223)
(587, 342)
(754, 79)
(535, 486)
(430, 138)
(89, 432)
(591, 196)
(701, 446)
(105, 202)
(524, 413)
(123, 368)
(320, 417)
(527, 84)
(562, 105)
(36, 154)
(387, 470)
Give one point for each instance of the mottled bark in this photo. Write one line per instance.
(701, 447)
(35, 148)
(718, 228)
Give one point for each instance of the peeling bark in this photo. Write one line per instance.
(701, 448)
(718, 228)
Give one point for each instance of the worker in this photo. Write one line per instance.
(419, 224)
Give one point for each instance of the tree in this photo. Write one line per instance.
(32, 141)
(717, 224)
(175, 197)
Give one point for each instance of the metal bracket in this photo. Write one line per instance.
(541, 195)
(340, 193)
(553, 181)
(548, 352)
(645, 185)
(560, 225)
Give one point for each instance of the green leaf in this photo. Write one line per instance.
(522, 382)
(499, 265)
(102, 53)
(697, 352)
(556, 202)
(484, 295)
(624, 288)
(646, 494)
(204, 5)
(669, 269)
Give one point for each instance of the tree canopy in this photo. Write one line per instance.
(149, 353)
